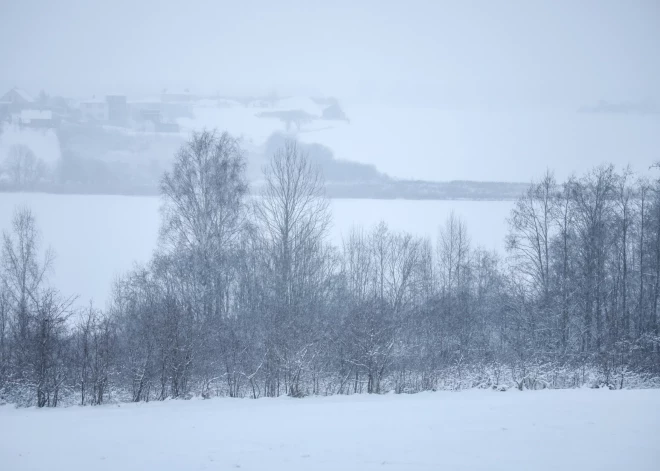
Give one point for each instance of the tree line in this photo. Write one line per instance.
(246, 297)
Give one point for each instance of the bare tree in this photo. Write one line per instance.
(37, 314)
(531, 228)
(204, 214)
(624, 199)
(5, 359)
(294, 217)
(452, 250)
(48, 358)
(379, 270)
(563, 251)
(593, 196)
(23, 166)
(203, 205)
(94, 351)
(24, 273)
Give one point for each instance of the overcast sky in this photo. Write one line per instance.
(508, 52)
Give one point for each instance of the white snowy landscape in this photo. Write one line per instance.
(329, 236)
(584, 429)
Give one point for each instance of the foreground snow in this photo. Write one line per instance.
(474, 430)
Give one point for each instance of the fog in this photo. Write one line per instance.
(480, 54)
(478, 91)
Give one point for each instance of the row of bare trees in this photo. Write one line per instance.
(587, 258)
(245, 296)
(22, 169)
(33, 318)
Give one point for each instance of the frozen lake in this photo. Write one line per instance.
(96, 238)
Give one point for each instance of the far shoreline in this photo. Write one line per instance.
(411, 190)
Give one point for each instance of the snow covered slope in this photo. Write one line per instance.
(563, 430)
(512, 145)
(443, 144)
(43, 142)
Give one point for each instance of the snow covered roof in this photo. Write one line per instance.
(22, 94)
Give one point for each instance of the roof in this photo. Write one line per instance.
(22, 94)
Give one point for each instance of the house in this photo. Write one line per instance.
(17, 98)
(155, 115)
(14, 101)
(146, 110)
(117, 109)
(94, 110)
(38, 119)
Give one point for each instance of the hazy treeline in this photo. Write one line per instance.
(245, 296)
(110, 161)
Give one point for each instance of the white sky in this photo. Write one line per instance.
(490, 53)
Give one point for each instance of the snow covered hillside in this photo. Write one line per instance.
(404, 142)
(43, 142)
(472, 144)
(443, 144)
(551, 430)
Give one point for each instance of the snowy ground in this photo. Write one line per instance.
(96, 238)
(474, 430)
(43, 142)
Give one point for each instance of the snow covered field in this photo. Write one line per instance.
(553, 430)
(97, 238)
